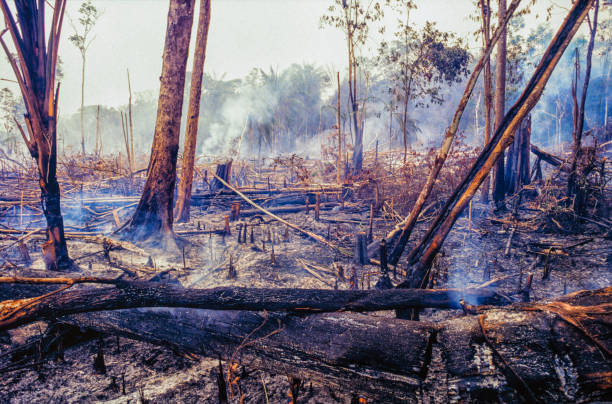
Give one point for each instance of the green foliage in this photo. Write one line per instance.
(353, 17)
(88, 16)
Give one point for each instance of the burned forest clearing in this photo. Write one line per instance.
(425, 219)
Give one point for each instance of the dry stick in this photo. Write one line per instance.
(283, 221)
(503, 136)
(407, 225)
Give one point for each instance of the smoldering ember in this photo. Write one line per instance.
(326, 201)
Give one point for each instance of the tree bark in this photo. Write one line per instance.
(485, 9)
(500, 106)
(339, 158)
(153, 216)
(35, 66)
(133, 294)
(572, 188)
(83, 104)
(193, 115)
(465, 359)
(223, 171)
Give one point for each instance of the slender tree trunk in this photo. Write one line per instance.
(98, 138)
(339, 162)
(153, 216)
(131, 121)
(500, 105)
(404, 129)
(573, 190)
(485, 8)
(83, 105)
(191, 133)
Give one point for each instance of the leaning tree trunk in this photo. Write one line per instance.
(35, 67)
(500, 106)
(153, 216)
(431, 243)
(193, 115)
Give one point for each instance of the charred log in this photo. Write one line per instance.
(393, 360)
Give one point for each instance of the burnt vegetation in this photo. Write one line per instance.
(430, 225)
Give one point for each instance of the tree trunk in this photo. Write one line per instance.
(134, 294)
(339, 159)
(429, 246)
(83, 104)
(153, 216)
(35, 66)
(500, 106)
(191, 133)
(573, 189)
(485, 8)
(466, 359)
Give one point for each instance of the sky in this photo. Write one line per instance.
(243, 34)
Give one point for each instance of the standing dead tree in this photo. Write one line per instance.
(153, 216)
(353, 18)
(193, 115)
(485, 12)
(34, 66)
(499, 188)
(572, 188)
(429, 246)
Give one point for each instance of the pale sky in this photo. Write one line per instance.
(243, 34)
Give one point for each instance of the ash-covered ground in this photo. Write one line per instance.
(482, 246)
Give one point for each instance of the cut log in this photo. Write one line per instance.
(393, 360)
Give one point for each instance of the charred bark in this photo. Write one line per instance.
(500, 107)
(131, 294)
(517, 160)
(223, 171)
(35, 67)
(578, 193)
(153, 216)
(193, 115)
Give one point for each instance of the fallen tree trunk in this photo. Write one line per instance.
(287, 209)
(132, 294)
(502, 355)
